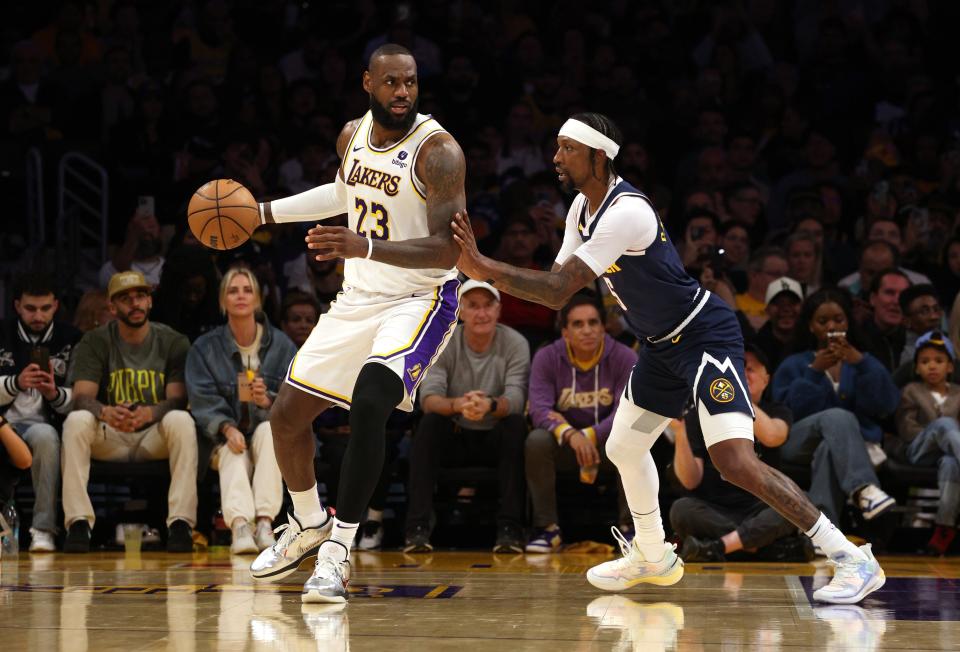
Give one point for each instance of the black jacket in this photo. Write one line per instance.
(16, 346)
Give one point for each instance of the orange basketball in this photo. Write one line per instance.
(223, 214)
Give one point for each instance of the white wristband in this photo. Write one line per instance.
(369, 247)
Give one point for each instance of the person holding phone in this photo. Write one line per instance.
(838, 394)
(35, 351)
(233, 374)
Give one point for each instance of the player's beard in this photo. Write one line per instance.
(383, 117)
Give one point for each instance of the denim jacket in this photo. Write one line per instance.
(213, 365)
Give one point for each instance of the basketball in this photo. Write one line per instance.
(223, 214)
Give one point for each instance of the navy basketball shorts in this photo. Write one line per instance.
(704, 362)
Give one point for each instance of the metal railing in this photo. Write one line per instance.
(82, 217)
(36, 210)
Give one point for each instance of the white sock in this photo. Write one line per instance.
(641, 484)
(828, 538)
(342, 534)
(632, 435)
(307, 507)
(375, 515)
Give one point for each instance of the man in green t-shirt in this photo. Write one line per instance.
(129, 398)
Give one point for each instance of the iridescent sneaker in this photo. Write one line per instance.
(328, 582)
(853, 580)
(295, 545)
(632, 569)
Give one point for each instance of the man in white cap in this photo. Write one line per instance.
(473, 401)
(784, 299)
(692, 348)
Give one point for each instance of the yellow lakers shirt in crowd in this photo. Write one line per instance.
(130, 374)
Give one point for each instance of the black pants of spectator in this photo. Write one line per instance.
(439, 442)
(332, 452)
(758, 526)
(9, 476)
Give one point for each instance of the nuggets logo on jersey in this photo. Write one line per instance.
(721, 390)
(365, 176)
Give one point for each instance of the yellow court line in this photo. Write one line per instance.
(437, 591)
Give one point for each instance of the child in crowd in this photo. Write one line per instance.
(15, 457)
(928, 428)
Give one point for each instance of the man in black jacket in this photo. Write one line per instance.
(34, 355)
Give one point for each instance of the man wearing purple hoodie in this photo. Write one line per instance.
(575, 386)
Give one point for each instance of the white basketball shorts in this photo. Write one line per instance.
(406, 334)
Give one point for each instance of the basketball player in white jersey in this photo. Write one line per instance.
(400, 181)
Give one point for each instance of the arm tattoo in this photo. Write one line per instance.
(552, 289)
(160, 409)
(88, 403)
(443, 171)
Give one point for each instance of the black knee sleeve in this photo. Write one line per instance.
(377, 392)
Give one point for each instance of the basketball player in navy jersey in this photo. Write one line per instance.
(691, 343)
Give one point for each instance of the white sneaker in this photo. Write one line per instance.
(853, 579)
(294, 546)
(264, 535)
(632, 569)
(329, 580)
(372, 538)
(42, 541)
(873, 501)
(242, 542)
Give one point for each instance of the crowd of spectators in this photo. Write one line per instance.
(803, 155)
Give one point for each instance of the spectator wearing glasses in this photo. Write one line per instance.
(766, 265)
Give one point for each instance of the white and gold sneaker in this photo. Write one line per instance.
(632, 568)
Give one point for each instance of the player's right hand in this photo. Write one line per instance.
(471, 261)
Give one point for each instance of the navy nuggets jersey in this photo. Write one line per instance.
(650, 283)
(691, 340)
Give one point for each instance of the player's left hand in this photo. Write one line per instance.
(329, 242)
(471, 261)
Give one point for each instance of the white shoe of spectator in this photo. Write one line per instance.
(42, 541)
(873, 501)
(242, 543)
(372, 536)
(264, 535)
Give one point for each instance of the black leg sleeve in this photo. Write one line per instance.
(377, 392)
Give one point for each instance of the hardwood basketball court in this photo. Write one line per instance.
(463, 601)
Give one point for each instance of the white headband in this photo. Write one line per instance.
(584, 133)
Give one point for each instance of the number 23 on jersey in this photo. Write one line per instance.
(373, 221)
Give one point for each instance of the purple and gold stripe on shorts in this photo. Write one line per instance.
(333, 397)
(427, 342)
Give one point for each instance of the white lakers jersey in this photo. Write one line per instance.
(386, 201)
